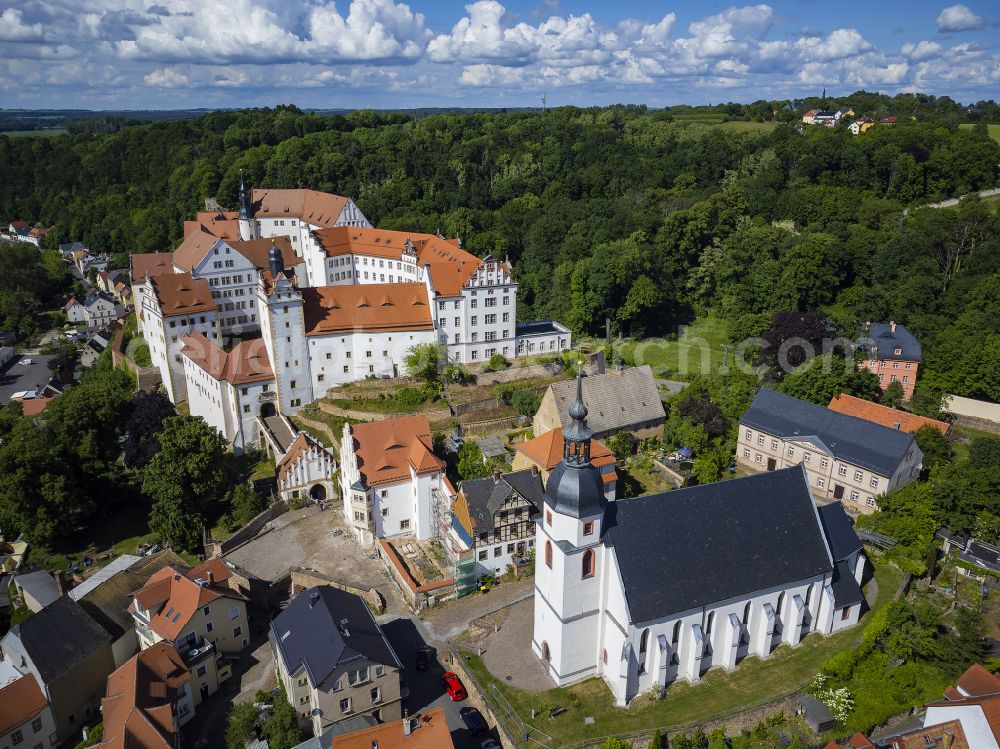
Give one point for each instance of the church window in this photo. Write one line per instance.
(548, 554)
(676, 636)
(548, 518)
(589, 562)
(746, 614)
(809, 592)
(781, 603)
(604, 656)
(588, 528)
(710, 623)
(845, 614)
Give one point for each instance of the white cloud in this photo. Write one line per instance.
(922, 50)
(14, 29)
(835, 46)
(166, 78)
(959, 18)
(658, 33)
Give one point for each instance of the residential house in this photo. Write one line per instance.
(809, 116)
(94, 347)
(67, 249)
(545, 452)
(334, 661)
(101, 309)
(107, 594)
(12, 553)
(893, 418)
(893, 354)
(495, 518)
(663, 587)
(36, 589)
(308, 469)
(621, 400)
(86, 260)
(390, 479)
(69, 654)
(189, 608)
(425, 730)
(16, 230)
(26, 719)
(861, 125)
(107, 280)
(75, 311)
(887, 121)
(152, 695)
(845, 457)
(825, 118)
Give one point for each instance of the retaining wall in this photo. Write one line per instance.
(303, 578)
(247, 532)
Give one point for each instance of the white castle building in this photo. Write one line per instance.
(645, 591)
(332, 299)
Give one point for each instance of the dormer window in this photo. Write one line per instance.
(898, 351)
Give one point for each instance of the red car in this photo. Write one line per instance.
(453, 686)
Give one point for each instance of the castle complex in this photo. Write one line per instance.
(261, 311)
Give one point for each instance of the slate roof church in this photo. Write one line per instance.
(649, 590)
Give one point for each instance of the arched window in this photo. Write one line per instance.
(677, 634)
(644, 641)
(548, 554)
(710, 624)
(604, 656)
(781, 604)
(746, 614)
(589, 561)
(809, 592)
(546, 655)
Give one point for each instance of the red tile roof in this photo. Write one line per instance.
(193, 249)
(35, 406)
(246, 363)
(947, 735)
(387, 449)
(138, 710)
(316, 208)
(860, 741)
(328, 310)
(172, 597)
(179, 294)
(221, 224)
(430, 731)
(20, 701)
(887, 417)
(978, 682)
(152, 264)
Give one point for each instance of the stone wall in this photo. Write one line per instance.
(247, 532)
(148, 378)
(303, 578)
(438, 413)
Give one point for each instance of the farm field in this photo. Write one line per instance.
(994, 131)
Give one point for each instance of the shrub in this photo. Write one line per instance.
(496, 363)
(526, 402)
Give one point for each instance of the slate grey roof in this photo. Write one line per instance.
(59, 637)
(615, 400)
(983, 554)
(846, 591)
(309, 633)
(853, 440)
(485, 496)
(492, 447)
(575, 490)
(839, 531)
(103, 575)
(686, 548)
(881, 335)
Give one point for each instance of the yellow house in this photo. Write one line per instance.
(11, 554)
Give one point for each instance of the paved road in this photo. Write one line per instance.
(426, 689)
(16, 377)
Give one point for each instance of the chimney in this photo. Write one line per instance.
(895, 425)
(407, 725)
(892, 326)
(496, 477)
(534, 470)
(313, 598)
(211, 577)
(947, 740)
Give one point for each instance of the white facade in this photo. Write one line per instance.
(100, 312)
(76, 312)
(338, 359)
(163, 335)
(38, 730)
(283, 325)
(306, 470)
(232, 279)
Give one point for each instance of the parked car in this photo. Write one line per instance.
(454, 687)
(26, 362)
(457, 442)
(425, 654)
(474, 721)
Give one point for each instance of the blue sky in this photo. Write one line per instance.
(383, 53)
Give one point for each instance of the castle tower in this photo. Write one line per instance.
(570, 559)
(282, 322)
(247, 225)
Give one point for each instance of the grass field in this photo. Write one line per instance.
(719, 694)
(748, 126)
(994, 131)
(697, 351)
(35, 133)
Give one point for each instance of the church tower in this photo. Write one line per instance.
(247, 225)
(282, 325)
(570, 559)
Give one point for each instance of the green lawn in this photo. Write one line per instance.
(35, 133)
(960, 449)
(697, 351)
(755, 127)
(718, 695)
(994, 130)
